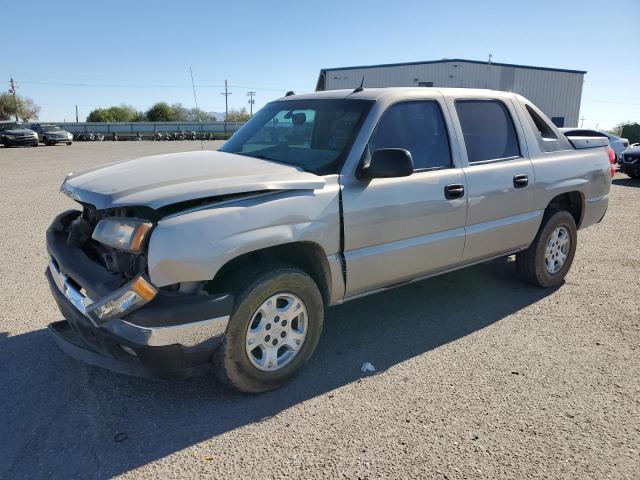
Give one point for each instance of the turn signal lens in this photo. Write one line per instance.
(143, 288)
(123, 301)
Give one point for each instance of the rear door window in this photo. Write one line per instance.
(488, 130)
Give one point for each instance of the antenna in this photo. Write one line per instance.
(361, 87)
(195, 100)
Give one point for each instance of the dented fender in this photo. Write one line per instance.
(193, 246)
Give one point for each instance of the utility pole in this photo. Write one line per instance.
(76, 113)
(582, 122)
(12, 90)
(251, 102)
(226, 104)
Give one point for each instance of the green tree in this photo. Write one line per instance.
(200, 116)
(631, 131)
(27, 110)
(238, 115)
(121, 113)
(180, 114)
(160, 112)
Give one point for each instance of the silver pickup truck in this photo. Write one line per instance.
(226, 260)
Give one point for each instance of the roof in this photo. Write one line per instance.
(399, 92)
(454, 60)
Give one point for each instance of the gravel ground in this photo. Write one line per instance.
(477, 375)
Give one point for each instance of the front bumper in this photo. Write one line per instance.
(172, 336)
(633, 168)
(59, 140)
(20, 141)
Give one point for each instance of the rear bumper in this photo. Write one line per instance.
(172, 336)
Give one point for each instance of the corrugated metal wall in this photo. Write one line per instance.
(556, 93)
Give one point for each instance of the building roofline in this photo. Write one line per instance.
(450, 60)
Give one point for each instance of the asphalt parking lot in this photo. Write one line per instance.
(477, 374)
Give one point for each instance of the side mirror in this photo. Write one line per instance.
(388, 163)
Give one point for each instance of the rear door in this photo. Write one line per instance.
(396, 229)
(499, 177)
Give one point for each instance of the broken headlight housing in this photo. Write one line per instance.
(125, 300)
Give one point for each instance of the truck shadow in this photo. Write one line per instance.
(61, 418)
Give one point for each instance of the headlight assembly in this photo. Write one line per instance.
(125, 300)
(126, 234)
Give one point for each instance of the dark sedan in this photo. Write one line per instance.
(630, 162)
(14, 134)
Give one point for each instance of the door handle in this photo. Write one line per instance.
(520, 181)
(455, 190)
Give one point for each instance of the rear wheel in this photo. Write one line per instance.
(546, 262)
(273, 330)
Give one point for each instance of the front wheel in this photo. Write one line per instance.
(273, 330)
(546, 262)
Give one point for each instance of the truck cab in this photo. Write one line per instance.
(225, 261)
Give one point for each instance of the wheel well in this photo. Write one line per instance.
(572, 202)
(307, 256)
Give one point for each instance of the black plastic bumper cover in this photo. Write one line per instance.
(80, 338)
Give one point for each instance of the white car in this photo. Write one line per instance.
(618, 144)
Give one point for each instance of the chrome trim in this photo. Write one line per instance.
(188, 335)
(77, 299)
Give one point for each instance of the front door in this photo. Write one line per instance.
(396, 229)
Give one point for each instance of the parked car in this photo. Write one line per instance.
(630, 162)
(226, 260)
(618, 144)
(52, 134)
(15, 134)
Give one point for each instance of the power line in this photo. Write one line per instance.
(149, 85)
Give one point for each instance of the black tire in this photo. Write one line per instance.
(530, 264)
(634, 175)
(69, 143)
(231, 362)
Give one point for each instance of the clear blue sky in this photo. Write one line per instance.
(98, 54)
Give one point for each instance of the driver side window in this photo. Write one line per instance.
(418, 127)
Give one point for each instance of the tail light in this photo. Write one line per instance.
(612, 159)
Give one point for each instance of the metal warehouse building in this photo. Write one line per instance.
(557, 92)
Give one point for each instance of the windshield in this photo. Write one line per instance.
(10, 126)
(51, 128)
(314, 135)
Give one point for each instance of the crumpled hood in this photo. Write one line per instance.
(166, 179)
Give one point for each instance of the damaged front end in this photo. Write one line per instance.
(115, 317)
